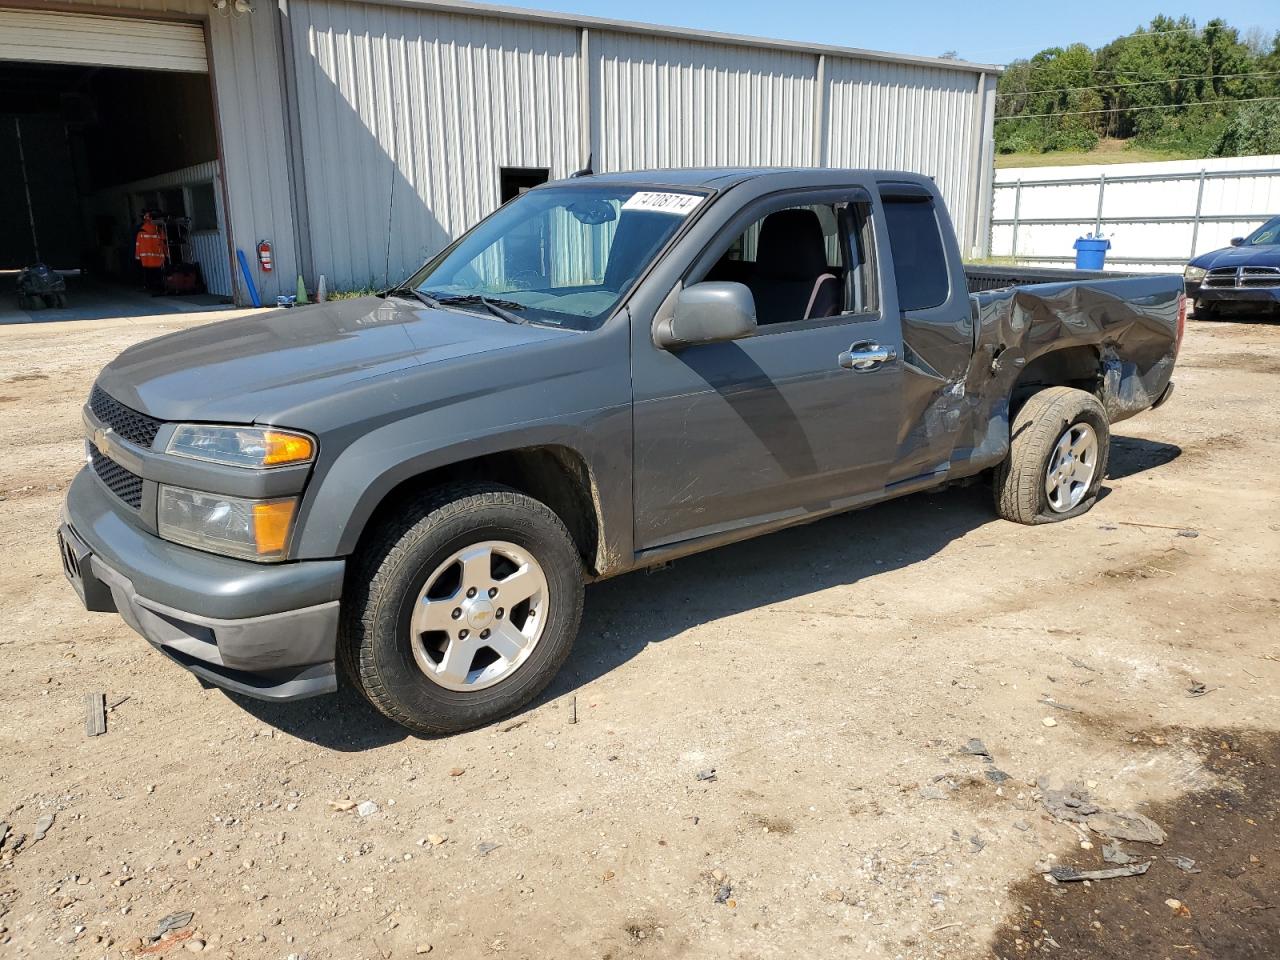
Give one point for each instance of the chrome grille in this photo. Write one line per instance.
(1260, 277)
(123, 483)
(1242, 277)
(1220, 277)
(126, 423)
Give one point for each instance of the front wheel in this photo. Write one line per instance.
(1207, 311)
(1057, 457)
(461, 610)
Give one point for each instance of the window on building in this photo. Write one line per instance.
(204, 207)
(173, 202)
(919, 258)
(513, 181)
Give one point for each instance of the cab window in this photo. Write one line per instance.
(799, 262)
(919, 257)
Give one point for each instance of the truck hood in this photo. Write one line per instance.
(248, 369)
(1262, 255)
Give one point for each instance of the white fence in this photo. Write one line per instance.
(1157, 215)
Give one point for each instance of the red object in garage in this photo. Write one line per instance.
(264, 255)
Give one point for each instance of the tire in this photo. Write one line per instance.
(1207, 311)
(1021, 480)
(397, 577)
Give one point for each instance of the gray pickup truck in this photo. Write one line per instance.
(607, 373)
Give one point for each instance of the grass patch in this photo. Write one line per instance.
(1107, 151)
(353, 294)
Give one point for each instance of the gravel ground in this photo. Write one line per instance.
(831, 677)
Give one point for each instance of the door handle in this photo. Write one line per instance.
(867, 355)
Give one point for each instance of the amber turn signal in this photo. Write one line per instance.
(282, 448)
(271, 522)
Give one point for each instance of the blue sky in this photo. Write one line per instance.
(991, 32)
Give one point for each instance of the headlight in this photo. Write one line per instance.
(253, 447)
(235, 527)
(1194, 273)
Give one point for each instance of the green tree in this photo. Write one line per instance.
(1254, 130)
(1054, 81)
(1169, 84)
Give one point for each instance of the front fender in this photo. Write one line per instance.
(342, 499)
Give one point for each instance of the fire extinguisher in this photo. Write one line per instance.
(264, 255)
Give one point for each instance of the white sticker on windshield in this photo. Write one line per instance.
(680, 204)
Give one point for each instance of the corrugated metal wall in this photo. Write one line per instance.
(406, 117)
(248, 82)
(903, 117)
(406, 114)
(662, 102)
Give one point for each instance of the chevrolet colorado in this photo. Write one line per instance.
(410, 490)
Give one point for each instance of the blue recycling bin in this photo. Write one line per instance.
(1091, 252)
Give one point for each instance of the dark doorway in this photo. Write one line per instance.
(85, 151)
(513, 181)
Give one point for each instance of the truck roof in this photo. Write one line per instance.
(720, 178)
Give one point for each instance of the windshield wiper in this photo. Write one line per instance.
(403, 292)
(499, 308)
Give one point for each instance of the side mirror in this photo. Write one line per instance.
(1236, 241)
(710, 312)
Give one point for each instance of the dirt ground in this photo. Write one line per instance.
(830, 676)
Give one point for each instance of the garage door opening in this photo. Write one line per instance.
(90, 156)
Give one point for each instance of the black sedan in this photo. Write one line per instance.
(1243, 275)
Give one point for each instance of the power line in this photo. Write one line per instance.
(1034, 67)
(1141, 83)
(1157, 106)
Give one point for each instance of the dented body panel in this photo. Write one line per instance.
(1127, 327)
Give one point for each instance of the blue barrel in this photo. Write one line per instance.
(1091, 253)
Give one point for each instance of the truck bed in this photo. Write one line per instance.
(998, 277)
(1132, 322)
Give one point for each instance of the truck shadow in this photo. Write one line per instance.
(625, 615)
(1134, 455)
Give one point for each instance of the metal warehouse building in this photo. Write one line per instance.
(358, 137)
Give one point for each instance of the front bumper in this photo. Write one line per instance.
(266, 631)
(1261, 296)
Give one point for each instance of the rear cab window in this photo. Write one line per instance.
(920, 264)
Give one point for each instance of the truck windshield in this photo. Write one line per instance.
(558, 255)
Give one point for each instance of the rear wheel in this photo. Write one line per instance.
(1057, 458)
(462, 610)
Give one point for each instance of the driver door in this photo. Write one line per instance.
(800, 418)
